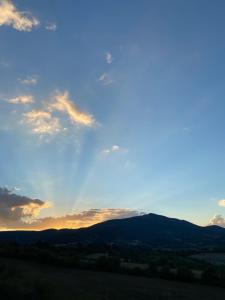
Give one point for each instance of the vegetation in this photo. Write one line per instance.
(26, 280)
(132, 260)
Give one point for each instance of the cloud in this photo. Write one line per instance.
(51, 26)
(17, 210)
(221, 202)
(29, 80)
(105, 79)
(42, 122)
(11, 16)
(63, 103)
(20, 212)
(83, 219)
(217, 220)
(109, 58)
(114, 149)
(23, 99)
(78, 220)
(54, 115)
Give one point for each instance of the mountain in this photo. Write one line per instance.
(150, 229)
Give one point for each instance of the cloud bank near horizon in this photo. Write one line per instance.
(23, 213)
(218, 220)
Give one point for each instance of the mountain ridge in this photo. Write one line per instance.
(149, 229)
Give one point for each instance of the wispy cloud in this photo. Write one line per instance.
(19, 20)
(63, 103)
(105, 79)
(29, 80)
(42, 122)
(51, 26)
(217, 220)
(114, 149)
(23, 99)
(51, 116)
(108, 58)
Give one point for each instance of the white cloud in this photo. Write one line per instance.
(109, 58)
(114, 149)
(19, 20)
(29, 80)
(105, 79)
(23, 99)
(63, 103)
(16, 188)
(51, 26)
(42, 122)
(217, 220)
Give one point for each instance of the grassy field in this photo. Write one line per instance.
(26, 280)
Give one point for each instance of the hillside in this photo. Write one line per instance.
(150, 229)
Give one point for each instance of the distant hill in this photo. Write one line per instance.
(150, 230)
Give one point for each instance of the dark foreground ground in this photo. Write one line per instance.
(27, 280)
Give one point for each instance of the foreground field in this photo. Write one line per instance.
(25, 280)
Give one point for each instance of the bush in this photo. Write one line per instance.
(184, 274)
(210, 276)
(166, 273)
(108, 263)
(152, 270)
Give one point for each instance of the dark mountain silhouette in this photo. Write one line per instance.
(150, 229)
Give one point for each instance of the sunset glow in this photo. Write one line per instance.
(109, 109)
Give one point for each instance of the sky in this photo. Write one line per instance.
(110, 109)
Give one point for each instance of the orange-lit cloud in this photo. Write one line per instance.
(23, 99)
(82, 219)
(19, 212)
(42, 122)
(46, 120)
(11, 16)
(63, 103)
(221, 202)
(16, 210)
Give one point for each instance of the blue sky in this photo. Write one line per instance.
(148, 78)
